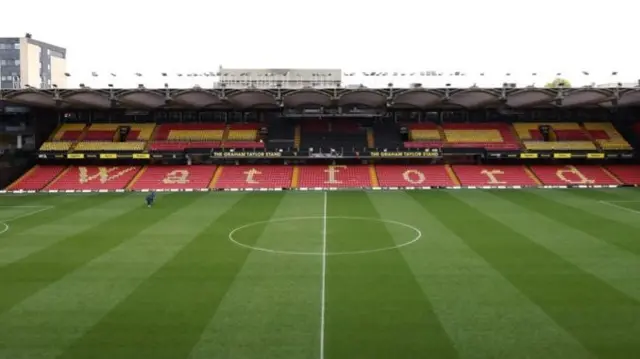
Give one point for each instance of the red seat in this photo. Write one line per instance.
(37, 178)
(341, 176)
(495, 176)
(174, 177)
(95, 178)
(628, 174)
(573, 175)
(414, 176)
(247, 176)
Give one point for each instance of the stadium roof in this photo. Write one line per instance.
(198, 98)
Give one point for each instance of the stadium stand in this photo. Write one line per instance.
(495, 176)
(69, 132)
(56, 146)
(36, 178)
(94, 178)
(606, 136)
(628, 174)
(573, 175)
(95, 146)
(491, 136)
(173, 177)
(386, 135)
(247, 176)
(322, 135)
(340, 176)
(414, 176)
(563, 136)
(424, 135)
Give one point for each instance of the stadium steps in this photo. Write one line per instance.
(21, 178)
(370, 138)
(374, 176)
(136, 177)
(56, 178)
(55, 135)
(589, 136)
(606, 170)
(532, 176)
(295, 177)
(452, 174)
(296, 137)
(216, 177)
(443, 135)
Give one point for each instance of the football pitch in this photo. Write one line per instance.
(313, 275)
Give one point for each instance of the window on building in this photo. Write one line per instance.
(3, 62)
(16, 46)
(17, 62)
(2, 46)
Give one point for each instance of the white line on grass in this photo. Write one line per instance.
(4, 222)
(614, 205)
(324, 272)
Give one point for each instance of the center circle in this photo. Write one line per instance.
(415, 238)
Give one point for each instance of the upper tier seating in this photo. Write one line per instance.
(339, 134)
(606, 136)
(61, 146)
(109, 146)
(108, 131)
(182, 145)
(190, 132)
(491, 136)
(424, 135)
(564, 136)
(69, 132)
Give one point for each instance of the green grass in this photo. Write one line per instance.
(495, 274)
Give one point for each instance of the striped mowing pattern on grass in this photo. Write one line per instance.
(496, 274)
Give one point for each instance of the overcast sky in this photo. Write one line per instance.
(472, 36)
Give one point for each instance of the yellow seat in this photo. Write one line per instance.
(242, 135)
(56, 146)
(195, 135)
(560, 146)
(110, 146)
(425, 135)
(480, 136)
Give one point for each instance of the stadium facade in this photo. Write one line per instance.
(27, 62)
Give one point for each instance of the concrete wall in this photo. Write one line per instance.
(31, 65)
(58, 69)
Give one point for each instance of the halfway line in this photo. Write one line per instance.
(324, 272)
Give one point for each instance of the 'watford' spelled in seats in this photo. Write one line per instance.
(564, 136)
(573, 175)
(253, 177)
(69, 132)
(95, 178)
(174, 177)
(494, 176)
(340, 176)
(628, 174)
(606, 136)
(413, 176)
(36, 178)
(491, 136)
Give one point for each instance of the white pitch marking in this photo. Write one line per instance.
(364, 251)
(614, 205)
(324, 274)
(6, 225)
